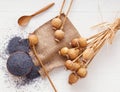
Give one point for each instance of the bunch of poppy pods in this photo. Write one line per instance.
(83, 50)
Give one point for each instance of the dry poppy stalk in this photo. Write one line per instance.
(91, 47)
(45, 51)
(58, 24)
(33, 39)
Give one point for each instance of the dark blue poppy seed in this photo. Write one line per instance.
(34, 73)
(18, 44)
(22, 48)
(24, 42)
(13, 43)
(19, 64)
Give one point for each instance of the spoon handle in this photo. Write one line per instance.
(43, 9)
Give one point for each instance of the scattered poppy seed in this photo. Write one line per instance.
(22, 48)
(19, 64)
(24, 42)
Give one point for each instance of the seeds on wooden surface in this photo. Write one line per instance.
(19, 64)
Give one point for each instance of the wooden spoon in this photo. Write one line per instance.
(24, 20)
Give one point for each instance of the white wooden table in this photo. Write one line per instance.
(103, 72)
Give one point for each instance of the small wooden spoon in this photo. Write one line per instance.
(24, 20)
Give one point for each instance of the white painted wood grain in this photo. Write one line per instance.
(103, 72)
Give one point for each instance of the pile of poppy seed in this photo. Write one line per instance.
(19, 62)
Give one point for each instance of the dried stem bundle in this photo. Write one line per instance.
(87, 53)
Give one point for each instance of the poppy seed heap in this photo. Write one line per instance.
(34, 73)
(18, 44)
(13, 43)
(20, 63)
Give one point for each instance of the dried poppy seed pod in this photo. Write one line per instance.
(82, 42)
(75, 42)
(56, 22)
(59, 34)
(64, 51)
(82, 72)
(73, 78)
(69, 64)
(88, 54)
(81, 63)
(33, 39)
(75, 66)
(73, 53)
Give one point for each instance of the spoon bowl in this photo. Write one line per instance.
(24, 20)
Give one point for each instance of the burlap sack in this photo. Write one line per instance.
(48, 48)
